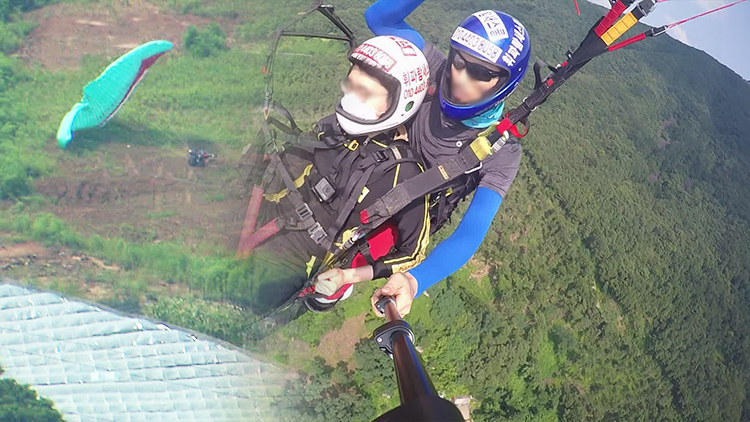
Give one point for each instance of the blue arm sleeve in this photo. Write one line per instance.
(455, 251)
(386, 17)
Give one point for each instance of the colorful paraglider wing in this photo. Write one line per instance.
(103, 97)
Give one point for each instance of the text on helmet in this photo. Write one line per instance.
(415, 81)
(374, 56)
(407, 48)
(516, 44)
(477, 44)
(492, 24)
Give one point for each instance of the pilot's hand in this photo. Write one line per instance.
(403, 286)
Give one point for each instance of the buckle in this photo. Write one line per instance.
(353, 145)
(303, 211)
(317, 233)
(481, 147)
(358, 234)
(380, 156)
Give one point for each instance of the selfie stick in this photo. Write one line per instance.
(419, 400)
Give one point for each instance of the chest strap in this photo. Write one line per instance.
(374, 164)
(433, 179)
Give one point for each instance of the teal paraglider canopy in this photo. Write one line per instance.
(103, 97)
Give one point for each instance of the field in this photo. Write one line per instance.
(131, 180)
(107, 210)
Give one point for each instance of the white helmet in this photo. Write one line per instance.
(402, 69)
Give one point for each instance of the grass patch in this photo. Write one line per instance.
(165, 214)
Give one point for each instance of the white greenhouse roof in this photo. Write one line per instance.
(97, 365)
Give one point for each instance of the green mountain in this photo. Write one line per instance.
(614, 282)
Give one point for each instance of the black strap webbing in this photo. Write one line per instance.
(306, 219)
(433, 179)
(376, 163)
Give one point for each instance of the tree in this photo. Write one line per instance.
(19, 403)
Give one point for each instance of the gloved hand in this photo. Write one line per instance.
(403, 286)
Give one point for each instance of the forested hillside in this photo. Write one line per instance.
(613, 285)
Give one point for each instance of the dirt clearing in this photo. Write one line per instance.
(146, 194)
(68, 31)
(338, 345)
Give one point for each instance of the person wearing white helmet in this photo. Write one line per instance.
(384, 88)
(363, 153)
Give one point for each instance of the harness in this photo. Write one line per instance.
(338, 186)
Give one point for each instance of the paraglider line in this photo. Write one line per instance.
(672, 25)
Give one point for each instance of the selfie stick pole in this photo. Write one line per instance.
(419, 399)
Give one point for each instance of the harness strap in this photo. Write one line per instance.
(433, 179)
(249, 241)
(248, 228)
(343, 165)
(375, 163)
(305, 218)
(349, 205)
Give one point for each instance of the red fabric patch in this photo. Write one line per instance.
(364, 217)
(381, 241)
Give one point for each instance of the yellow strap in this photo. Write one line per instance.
(327, 259)
(488, 130)
(364, 193)
(310, 264)
(419, 251)
(276, 197)
(619, 28)
(481, 146)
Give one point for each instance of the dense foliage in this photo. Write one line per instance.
(613, 284)
(206, 42)
(19, 403)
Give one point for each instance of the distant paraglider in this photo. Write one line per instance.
(103, 97)
(198, 158)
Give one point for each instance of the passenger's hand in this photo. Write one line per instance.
(403, 286)
(331, 281)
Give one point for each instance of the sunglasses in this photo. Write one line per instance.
(475, 71)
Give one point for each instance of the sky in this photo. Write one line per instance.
(725, 35)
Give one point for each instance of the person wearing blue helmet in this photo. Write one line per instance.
(488, 58)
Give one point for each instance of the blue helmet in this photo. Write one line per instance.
(495, 38)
